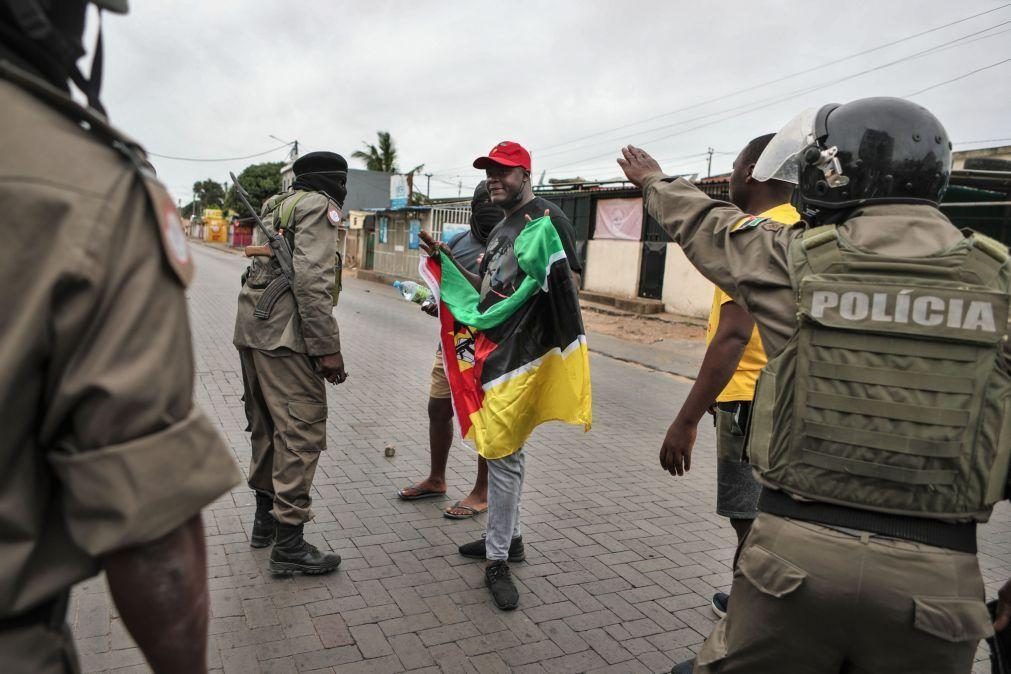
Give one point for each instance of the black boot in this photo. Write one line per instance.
(291, 553)
(263, 522)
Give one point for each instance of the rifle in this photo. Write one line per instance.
(277, 248)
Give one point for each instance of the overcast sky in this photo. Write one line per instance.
(572, 81)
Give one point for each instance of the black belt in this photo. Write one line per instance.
(960, 536)
(51, 613)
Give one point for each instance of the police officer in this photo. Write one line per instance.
(286, 351)
(880, 426)
(106, 461)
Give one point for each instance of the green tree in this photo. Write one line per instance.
(208, 194)
(261, 181)
(383, 156)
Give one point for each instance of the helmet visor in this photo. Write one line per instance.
(779, 160)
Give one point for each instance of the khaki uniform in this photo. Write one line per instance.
(102, 447)
(285, 398)
(809, 597)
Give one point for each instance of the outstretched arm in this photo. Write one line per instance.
(718, 366)
(439, 250)
(745, 256)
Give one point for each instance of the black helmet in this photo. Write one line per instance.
(872, 150)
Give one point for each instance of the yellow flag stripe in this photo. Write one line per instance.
(555, 387)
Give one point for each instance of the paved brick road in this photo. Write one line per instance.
(622, 559)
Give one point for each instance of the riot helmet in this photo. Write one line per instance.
(872, 150)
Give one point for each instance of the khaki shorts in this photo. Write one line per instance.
(440, 384)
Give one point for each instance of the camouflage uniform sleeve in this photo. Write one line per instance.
(133, 457)
(314, 258)
(749, 263)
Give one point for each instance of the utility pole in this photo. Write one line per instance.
(293, 153)
(709, 168)
(428, 185)
(459, 188)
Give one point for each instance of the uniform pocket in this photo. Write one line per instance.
(729, 436)
(715, 647)
(258, 276)
(307, 427)
(953, 618)
(768, 572)
(760, 435)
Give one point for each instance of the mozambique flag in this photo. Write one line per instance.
(522, 361)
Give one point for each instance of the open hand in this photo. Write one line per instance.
(676, 451)
(547, 214)
(637, 164)
(432, 248)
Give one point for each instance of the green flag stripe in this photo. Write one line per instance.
(537, 248)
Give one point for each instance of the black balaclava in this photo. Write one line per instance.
(47, 37)
(325, 172)
(484, 215)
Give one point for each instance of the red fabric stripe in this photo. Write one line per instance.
(468, 396)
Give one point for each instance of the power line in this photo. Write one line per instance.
(776, 80)
(960, 77)
(774, 100)
(915, 93)
(541, 150)
(249, 156)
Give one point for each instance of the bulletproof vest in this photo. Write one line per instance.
(283, 217)
(889, 396)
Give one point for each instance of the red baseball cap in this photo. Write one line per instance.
(506, 153)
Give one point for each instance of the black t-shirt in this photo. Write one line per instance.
(500, 272)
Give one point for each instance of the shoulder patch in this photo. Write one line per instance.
(333, 214)
(173, 239)
(749, 222)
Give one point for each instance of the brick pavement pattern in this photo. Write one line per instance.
(622, 559)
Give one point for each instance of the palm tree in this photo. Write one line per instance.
(379, 158)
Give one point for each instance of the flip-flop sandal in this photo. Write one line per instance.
(471, 512)
(420, 495)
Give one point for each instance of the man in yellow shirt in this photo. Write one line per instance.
(733, 359)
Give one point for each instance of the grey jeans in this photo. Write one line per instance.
(505, 485)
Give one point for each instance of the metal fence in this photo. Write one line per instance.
(449, 214)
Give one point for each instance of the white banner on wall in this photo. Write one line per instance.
(619, 219)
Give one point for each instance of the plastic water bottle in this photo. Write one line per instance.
(411, 291)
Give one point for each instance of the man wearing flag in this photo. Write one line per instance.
(520, 349)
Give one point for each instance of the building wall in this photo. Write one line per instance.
(1002, 153)
(367, 189)
(685, 290)
(395, 256)
(613, 267)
